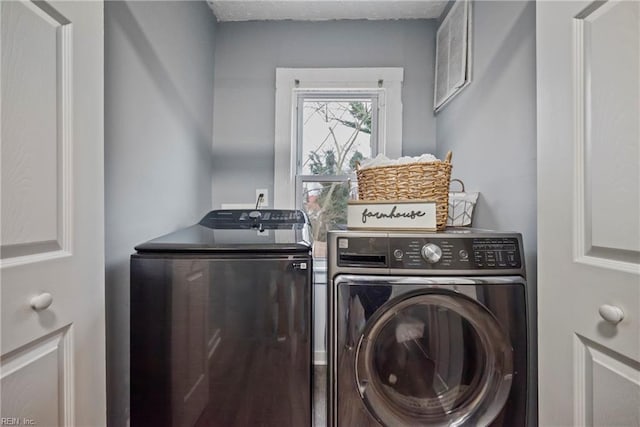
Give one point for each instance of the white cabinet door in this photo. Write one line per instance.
(52, 362)
(588, 73)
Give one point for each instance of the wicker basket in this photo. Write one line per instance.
(411, 181)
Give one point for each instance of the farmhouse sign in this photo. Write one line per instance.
(391, 215)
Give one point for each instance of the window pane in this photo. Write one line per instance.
(326, 205)
(335, 134)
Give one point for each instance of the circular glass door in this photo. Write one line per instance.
(436, 358)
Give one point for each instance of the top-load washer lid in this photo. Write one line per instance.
(236, 230)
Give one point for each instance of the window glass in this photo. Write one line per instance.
(335, 132)
(334, 135)
(325, 202)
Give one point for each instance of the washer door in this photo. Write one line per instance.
(436, 358)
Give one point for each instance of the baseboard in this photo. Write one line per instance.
(319, 357)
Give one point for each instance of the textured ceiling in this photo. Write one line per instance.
(322, 10)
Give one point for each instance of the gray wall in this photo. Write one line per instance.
(158, 132)
(491, 125)
(246, 57)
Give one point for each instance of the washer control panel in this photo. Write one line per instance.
(442, 253)
(238, 218)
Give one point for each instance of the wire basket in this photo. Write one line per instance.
(409, 181)
(461, 206)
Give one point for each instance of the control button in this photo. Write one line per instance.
(398, 253)
(463, 254)
(431, 253)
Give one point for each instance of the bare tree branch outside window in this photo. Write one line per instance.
(336, 136)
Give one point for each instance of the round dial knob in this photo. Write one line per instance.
(431, 253)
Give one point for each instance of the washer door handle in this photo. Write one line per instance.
(611, 313)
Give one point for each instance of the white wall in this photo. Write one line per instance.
(158, 132)
(246, 57)
(491, 125)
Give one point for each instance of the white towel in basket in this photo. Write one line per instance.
(382, 160)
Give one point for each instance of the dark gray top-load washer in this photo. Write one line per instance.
(221, 320)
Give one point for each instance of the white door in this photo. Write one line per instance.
(52, 361)
(588, 75)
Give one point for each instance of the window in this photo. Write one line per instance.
(335, 131)
(327, 120)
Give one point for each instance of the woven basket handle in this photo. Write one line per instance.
(461, 184)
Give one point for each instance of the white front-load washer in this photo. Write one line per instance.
(427, 329)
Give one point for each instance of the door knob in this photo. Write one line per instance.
(41, 302)
(611, 313)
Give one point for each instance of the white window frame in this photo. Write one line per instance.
(290, 82)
